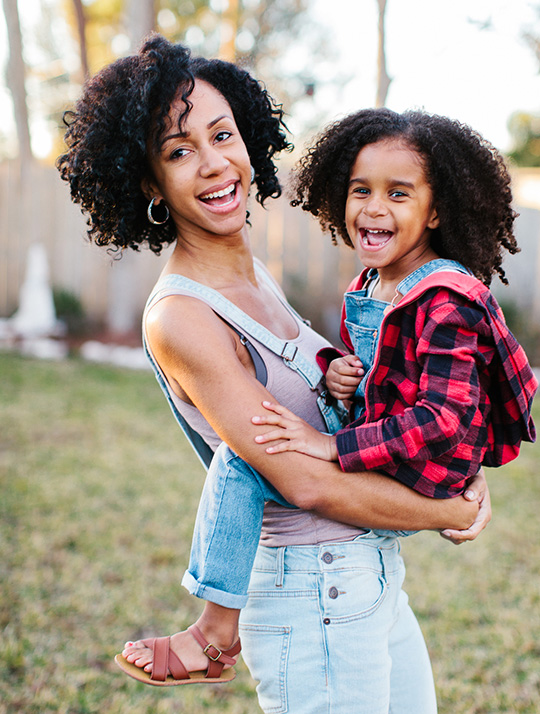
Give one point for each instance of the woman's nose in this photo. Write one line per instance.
(213, 162)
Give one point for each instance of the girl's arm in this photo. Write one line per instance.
(205, 363)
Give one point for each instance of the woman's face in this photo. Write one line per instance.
(202, 172)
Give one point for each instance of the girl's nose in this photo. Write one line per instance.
(375, 206)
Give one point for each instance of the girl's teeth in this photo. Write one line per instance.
(219, 194)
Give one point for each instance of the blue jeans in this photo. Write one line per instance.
(327, 630)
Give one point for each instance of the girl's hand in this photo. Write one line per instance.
(294, 434)
(343, 376)
(476, 491)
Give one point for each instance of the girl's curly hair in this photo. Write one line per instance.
(468, 177)
(124, 106)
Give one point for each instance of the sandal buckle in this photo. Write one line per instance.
(219, 652)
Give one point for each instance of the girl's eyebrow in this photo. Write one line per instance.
(185, 134)
(393, 182)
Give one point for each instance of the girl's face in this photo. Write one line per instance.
(202, 172)
(389, 212)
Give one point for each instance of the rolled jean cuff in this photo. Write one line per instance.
(219, 597)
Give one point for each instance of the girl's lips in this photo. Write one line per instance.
(374, 238)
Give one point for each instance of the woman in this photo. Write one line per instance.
(163, 148)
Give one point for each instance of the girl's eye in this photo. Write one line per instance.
(398, 194)
(361, 190)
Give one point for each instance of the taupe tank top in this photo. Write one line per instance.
(281, 526)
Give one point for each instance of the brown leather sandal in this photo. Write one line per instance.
(168, 670)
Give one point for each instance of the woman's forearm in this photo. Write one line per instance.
(363, 499)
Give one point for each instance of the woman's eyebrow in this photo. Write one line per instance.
(185, 134)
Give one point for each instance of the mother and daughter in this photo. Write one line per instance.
(164, 147)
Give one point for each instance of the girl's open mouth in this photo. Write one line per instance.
(220, 198)
(374, 238)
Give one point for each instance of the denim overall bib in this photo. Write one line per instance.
(363, 318)
(364, 315)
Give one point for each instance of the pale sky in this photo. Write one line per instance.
(438, 55)
(440, 58)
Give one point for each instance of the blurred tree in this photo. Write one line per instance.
(524, 129)
(383, 80)
(141, 19)
(81, 32)
(15, 80)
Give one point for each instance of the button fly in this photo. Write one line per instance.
(333, 593)
(328, 558)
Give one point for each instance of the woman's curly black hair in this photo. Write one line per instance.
(468, 177)
(124, 106)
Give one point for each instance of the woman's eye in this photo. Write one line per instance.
(222, 135)
(179, 153)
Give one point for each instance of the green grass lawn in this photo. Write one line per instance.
(98, 496)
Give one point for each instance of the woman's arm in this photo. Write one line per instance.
(203, 361)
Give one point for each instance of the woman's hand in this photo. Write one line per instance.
(343, 376)
(476, 491)
(294, 434)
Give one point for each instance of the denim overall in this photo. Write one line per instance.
(233, 497)
(340, 602)
(363, 317)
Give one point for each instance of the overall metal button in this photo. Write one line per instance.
(333, 593)
(328, 558)
(326, 620)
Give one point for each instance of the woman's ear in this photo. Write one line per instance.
(149, 189)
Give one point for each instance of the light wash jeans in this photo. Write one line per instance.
(328, 630)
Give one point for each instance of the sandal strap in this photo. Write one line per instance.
(218, 658)
(164, 660)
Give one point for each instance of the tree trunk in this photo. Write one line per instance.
(230, 20)
(81, 29)
(141, 20)
(383, 80)
(15, 75)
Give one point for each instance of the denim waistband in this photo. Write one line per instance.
(367, 551)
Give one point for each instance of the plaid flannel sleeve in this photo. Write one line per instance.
(445, 403)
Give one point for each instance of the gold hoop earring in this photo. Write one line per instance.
(151, 216)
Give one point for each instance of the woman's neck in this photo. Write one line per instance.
(216, 261)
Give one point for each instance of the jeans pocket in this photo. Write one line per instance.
(265, 650)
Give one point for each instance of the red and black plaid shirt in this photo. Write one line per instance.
(450, 389)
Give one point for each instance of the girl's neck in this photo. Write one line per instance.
(390, 277)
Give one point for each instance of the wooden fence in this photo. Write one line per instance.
(313, 272)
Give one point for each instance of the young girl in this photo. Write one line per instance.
(447, 389)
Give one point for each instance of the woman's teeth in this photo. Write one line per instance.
(218, 194)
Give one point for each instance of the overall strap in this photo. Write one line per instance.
(333, 412)
(433, 266)
(288, 351)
